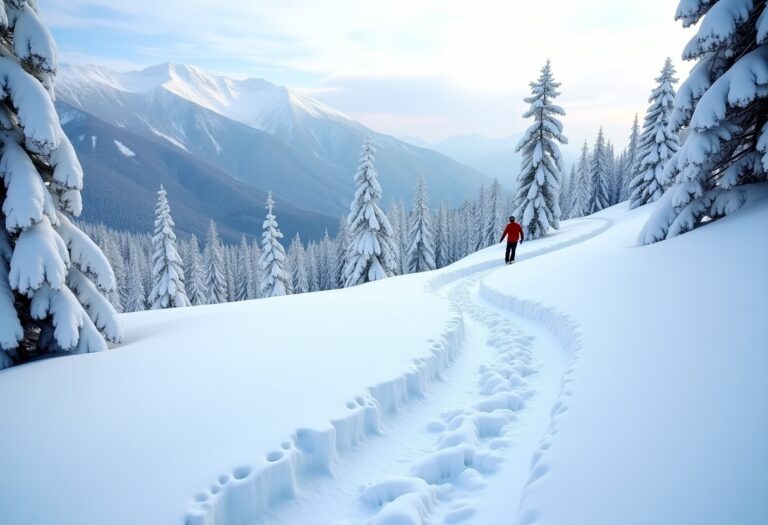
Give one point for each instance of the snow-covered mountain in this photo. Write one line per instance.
(125, 169)
(233, 124)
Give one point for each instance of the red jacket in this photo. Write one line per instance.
(513, 232)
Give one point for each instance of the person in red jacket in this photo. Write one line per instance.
(514, 233)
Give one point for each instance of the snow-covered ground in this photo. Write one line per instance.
(631, 377)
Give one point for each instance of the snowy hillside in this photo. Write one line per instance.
(593, 382)
(268, 136)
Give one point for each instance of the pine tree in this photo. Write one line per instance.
(443, 237)
(275, 281)
(137, 300)
(244, 270)
(599, 175)
(109, 245)
(538, 191)
(213, 261)
(197, 292)
(53, 278)
(258, 277)
(372, 252)
(722, 104)
(582, 187)
(421, 246)
(167, 276)
(630, 160)
(566, 193)
(342, 242)
(327, 262)
(299, 272)
(494, 213)
(479, 221)
(657, 143)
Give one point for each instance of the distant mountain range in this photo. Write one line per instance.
(183, 124)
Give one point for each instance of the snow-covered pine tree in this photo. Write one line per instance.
(538, 190)
(299, 272)
(478, 233)
(443, 237)
(393, 214)
(342, 242)
(137, 299)
(275, 281)
(630, 160)
(258, 277)
(244, 270)
(722, 104)
(313, 267)
(657, 142)
(599, 175)
(213, 262)
(327, 262)
(167, 275)
(566, 193)
(495, 204)
(52, 276)
(582, 188)
(111, 248)
(230, 271)
(196, 291)
(372, 252)
(421, 245)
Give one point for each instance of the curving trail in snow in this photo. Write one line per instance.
(450, 441)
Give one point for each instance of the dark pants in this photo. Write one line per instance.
(510, 255)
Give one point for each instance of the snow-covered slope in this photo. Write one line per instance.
(426, 398)
(213, 117)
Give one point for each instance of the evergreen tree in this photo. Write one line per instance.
(372, 252)
(493, 216)
(244, 270)
(477, 231)
(299, 272)
(630, 160)
(722, 104)
(53, 278)
(273, 256)
(195, 277)
(110, 246)
(327, 262)
(582, 188)
(538, 191)
(137, 300)
(657, 143)
(421, 246)
(566, 193)
(443, 237)
(167, 276)
(342, 242)
(213, 261)
(599, 175)
(258, 275)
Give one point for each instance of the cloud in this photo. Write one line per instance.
(432, 67)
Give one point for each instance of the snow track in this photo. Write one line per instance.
(426, 447)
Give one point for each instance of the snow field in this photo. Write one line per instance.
(655, 421)
(242, 495)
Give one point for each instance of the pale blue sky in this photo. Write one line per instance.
(426, 68)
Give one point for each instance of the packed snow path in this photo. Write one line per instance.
(463, 451)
